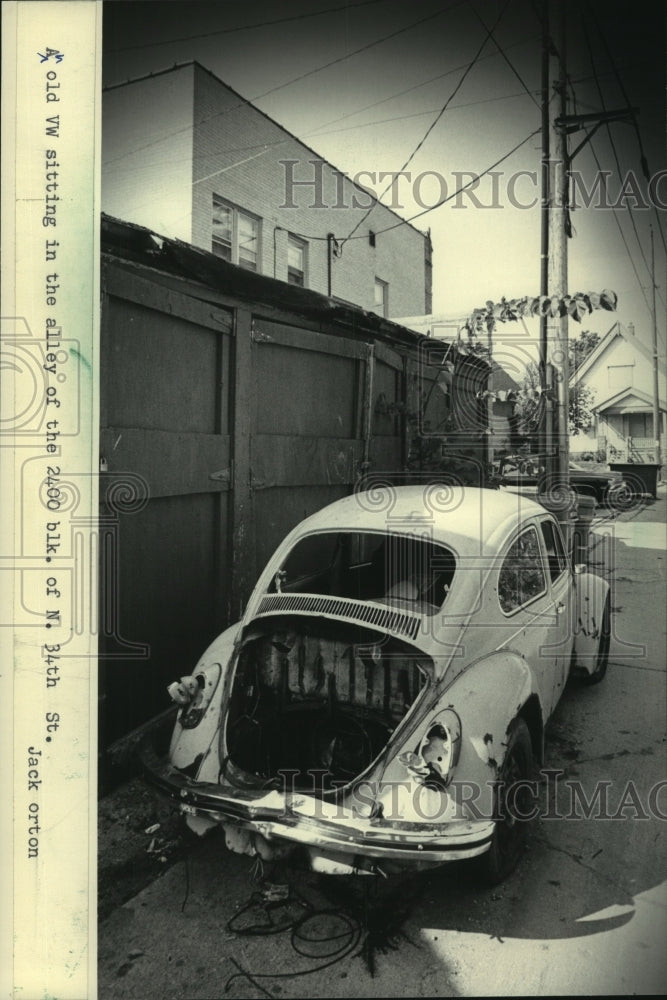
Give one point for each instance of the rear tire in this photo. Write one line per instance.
(603, 648)
(509, 834)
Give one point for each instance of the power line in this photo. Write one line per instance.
(463, 188)
(507, 59)
(264, 147)
(439, 115)
(642, 155)
(364, 48)
(439, 204)
(614, 151)
(616, 218)
(417, 86)
(620, 229)
(296, 79)
(416, 114)
(243, 27)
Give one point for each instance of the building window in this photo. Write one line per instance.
(297, 260)
(381, 300)
(235, 235)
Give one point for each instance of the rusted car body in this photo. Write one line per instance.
(390, 679)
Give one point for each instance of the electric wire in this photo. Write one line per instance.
(300, 938)
(296, 79)
(613, 146)
(436, 119)
(511, 65)
(596, 76)
(403, 222)
(244, 27)
(458, 191)
(417, 86)
(649, 304)
(614, 212)
(265, 148)
(642, 154)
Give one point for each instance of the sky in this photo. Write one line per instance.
(454, 85)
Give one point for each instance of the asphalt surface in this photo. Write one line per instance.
(585, 913)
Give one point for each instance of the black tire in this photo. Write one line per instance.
(602, 658)
(509, 834)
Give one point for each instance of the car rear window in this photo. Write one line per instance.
(391, 569)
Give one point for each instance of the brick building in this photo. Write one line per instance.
(187, 156)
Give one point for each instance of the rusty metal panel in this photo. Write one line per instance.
(243, 563)
(165, 293)
(173, 463)
(166, 569)
(386, 454)
(161, 371)
(307, 444)
(268, 331)
(165, 422)
(303, 392)
(289, 460)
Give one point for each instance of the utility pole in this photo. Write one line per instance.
(554, 436)
(558, 278)
(544, 437)
(656, 393)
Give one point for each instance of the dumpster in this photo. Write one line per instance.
(640, 477)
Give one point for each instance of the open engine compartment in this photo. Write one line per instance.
(313, 702)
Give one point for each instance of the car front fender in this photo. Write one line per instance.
(591, 594)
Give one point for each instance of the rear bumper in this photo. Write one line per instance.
(302, 820)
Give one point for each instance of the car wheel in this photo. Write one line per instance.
(602, 658)
(509, 834)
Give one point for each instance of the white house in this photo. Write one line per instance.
(187, 156)
(620, 373)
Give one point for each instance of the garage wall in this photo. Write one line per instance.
(222, 427)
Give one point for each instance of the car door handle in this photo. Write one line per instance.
(560, 607)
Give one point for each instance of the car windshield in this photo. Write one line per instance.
(398, 570)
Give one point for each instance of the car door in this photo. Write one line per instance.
(560, 632)
(527, 607)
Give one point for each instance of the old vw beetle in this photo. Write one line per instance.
(388, 686)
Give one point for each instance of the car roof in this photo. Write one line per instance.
(459, 516)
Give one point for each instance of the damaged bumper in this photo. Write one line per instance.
(322, 827)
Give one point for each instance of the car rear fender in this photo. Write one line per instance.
(487, 696)
(194, 749)
(591, 593)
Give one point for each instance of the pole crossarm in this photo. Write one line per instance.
(572, 123)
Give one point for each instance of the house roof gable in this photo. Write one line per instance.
(625, 395)
(617, 330)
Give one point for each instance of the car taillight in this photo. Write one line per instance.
(435, 757)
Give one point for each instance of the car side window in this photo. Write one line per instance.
(555, 551)
(521, 578)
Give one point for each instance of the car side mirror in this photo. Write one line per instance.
(579, 568)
